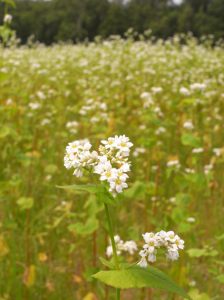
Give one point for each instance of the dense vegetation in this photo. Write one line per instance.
(75, 20)
(168, 98)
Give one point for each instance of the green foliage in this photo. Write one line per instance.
(76, 20)
(196, 295)
(190, 140)
(202, 252)
(91, 225)
(25, 203)
(102, 194)
(90, 188)
(50, 246)
(9, 3)
(136, 277)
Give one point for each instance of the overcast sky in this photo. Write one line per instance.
(177, 1)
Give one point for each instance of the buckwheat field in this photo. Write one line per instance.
(140, 123)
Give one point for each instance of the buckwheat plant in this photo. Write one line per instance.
(110, 163)
(6, 33)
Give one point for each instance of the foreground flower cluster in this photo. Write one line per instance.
(121, 246)
(110, 162)
(154, 241)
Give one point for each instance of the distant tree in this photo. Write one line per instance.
(76, 20)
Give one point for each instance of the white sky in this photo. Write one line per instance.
(177, 1)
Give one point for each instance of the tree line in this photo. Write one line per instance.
(77, 20)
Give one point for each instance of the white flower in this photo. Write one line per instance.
(45, 122)
(123, 144)
(188, 125)
(117, 185)
(121, 246)
(109, 143)
(197, 150)
(147, 99)
(7, 19)
(189, 171)
(152, 257)
(217, 151)
(160, 130)
(72, 126)
(109, 251)
(9, 101)
(170, 236)
(172, 254)
(153, 241)
(41, 95)
(172, 200)
(78, 172)
(191, 220)
(78, 156)
(145, 95)
(184, 91)
(34, 105)
(208, 168)
(173, 163)
(198, 86)
(179, 242)
(156, 90)
(110, 162)
(139, 151)
(109, 173)
(143, 263)
(148, 236)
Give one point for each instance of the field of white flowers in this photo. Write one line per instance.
(168, 98)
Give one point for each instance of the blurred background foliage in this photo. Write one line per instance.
(75, 20)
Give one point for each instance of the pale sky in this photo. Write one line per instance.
(177, 1)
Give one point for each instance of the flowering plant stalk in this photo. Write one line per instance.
(111, 164)
(5, 30)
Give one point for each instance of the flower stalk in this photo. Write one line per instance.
(111, 234)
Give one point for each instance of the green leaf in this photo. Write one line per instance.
(51, 169)
(90, 188)
(194, 252)
(25, 203)
(136, 277)
(107, 263)
(220, 237)
(4, 131)
(136, 190)
(220, 278)
(196, 295)
(188, 139)
(105, 197)
(102, 194)
(87, 228)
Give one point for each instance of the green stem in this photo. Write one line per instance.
(111, 233)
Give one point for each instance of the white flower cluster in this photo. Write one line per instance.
(72, 126)
(198, 86)
(188, 125)
(121, 246)
(147, 99)
(110, 162)
(153, 241)
(7, 19)
(79, 156)
(113, 162)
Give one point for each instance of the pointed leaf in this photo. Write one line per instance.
(107, 263)
(90, 188)
(136, 277)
